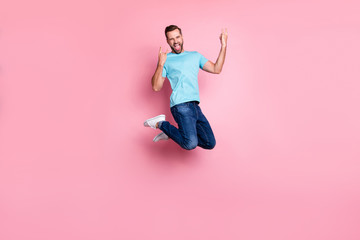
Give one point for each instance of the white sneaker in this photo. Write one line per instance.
(160, 136)
(152, 121)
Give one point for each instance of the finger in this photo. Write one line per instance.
(167, 51)
(226, 31)
(160, 49)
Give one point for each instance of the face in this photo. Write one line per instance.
(175, 41)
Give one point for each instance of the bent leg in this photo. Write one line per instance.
(186, 134)
(206, 138)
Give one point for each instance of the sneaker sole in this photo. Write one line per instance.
(156, 140)
(162, 115)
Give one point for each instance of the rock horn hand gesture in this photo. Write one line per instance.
(223, 37)
(162, 57)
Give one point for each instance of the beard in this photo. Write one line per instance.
(181, 48)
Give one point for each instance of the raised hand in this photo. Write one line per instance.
(223, 37)
(162, 57)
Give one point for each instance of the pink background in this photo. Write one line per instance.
(77, 163)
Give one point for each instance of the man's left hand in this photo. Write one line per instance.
(223, 37)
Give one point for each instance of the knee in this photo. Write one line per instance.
(210, 145)
(191, 144)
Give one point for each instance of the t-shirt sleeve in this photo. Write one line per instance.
(164, 72)
(202, 61)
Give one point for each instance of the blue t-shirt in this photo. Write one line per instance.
(182, 71)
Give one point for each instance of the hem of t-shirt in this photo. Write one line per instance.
(190, 100)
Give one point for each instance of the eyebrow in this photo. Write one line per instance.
(175, 37)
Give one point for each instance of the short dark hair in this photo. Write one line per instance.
(172, 28)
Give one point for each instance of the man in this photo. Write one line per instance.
(181, 68)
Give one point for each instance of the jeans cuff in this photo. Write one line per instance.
(159, 124)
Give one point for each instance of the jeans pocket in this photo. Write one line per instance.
(184, 108)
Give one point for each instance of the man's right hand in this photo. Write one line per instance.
(162, 57)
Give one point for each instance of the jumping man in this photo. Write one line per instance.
(182, 68)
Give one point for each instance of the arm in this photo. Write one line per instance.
(157, 80)
(217, 66)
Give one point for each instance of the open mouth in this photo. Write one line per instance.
(177, 47)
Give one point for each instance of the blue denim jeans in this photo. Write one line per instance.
(194, 129)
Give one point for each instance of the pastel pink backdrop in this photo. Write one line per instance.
(76, 162)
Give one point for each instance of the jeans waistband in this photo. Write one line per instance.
(185, 103)
(196, 102)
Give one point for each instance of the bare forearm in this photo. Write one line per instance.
(156, 80)
(220, 60)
